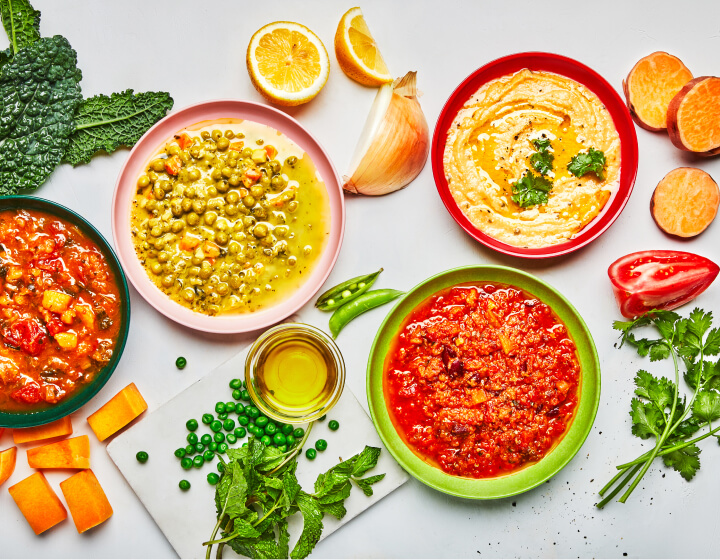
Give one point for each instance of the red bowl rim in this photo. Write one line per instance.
(574, 70)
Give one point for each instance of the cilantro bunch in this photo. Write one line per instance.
(45, 120)
(259, 491)
(658, 411)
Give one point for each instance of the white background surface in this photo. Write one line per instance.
(196, 49)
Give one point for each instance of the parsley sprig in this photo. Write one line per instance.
(259, 491)
(658, 411)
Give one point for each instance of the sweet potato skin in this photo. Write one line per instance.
(664, 197)
(628, 97)
(673, 125)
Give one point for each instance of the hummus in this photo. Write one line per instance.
(490, 143)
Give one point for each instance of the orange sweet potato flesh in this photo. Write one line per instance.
(118, 412)
(38, 503)
(73, 453)
(685, 202)
(7, 463)
(651, 85)
(694, 117)
(62, 427)
(87, 502)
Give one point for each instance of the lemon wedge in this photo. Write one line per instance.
(357, 53)
(287, 63)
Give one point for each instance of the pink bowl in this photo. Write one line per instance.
(135, 165)
(575, 71)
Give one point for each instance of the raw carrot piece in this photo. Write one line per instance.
(73, 453)
(651, 85)
(685, 202)
(118, 412)
(694, 117)
(38, 502)
(7, 463)
(62, 427)
(86, 499)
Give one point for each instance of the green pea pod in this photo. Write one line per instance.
(360, 305)
(346, 291)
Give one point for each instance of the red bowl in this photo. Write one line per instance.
(565, 67)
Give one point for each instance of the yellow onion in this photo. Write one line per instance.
(394, 143)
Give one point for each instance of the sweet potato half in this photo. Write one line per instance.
(651, 85)
(694, 117)
(685, 202)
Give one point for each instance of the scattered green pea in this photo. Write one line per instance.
(290, 440)
(287, 429)
(261, 421)
(142, 456)
(239, 409)
(236, 384)
(207, 418)
(189, 449)
(221, 466)
(298, 433)
(206, 439)
(321, 445)
(212, 446)
(270, 429)
(198, 461)
(222, 447)
(212, 478)
(223, 416)
(208, 456)
(252, 412)
(229, 406)
(311, 454)
(199, 447)
(231, 439)
(184, 485)
(220, 407)
(283, 448)
(229, 425)
(180, 452)
(237, 394)
(333, 425)
(219, 437)
(322, 418)
(186, 463)
(240, 432)
(180, 363)
(192, 438)
(216, 426)
(243, 420)
(266, 440)
(279, 439)
(191, 425)
(245, 395)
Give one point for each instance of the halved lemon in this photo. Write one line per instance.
(357, 53)
(287, 63)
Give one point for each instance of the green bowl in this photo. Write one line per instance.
(530, 476)
(83, 394)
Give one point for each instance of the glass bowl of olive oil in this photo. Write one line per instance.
(294, 373)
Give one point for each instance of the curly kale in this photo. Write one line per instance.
(21, 22)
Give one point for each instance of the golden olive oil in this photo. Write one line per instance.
(296, 374)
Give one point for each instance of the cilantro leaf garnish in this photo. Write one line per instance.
(530, 190)
(658, 410)
(542, 160)
(592, 161)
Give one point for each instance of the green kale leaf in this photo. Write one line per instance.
(21, 22)
(106, 123)
(592, 161)
(39, 92)
(530, 190)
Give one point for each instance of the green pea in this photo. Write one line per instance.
(311, 454)
(346, 291)
(266, 440)
(222, 448)
(186, 463)
(287, 429)
(180, 363)
(208, 456)
(212, 478)
(189, 449)
(192, 438)
(219, 437)
(334, 425)
(270, 429)
(237, 393)
(298, 433)
(229, 425)
(206, 439)
(221, 466)
(142, 456)
(236, 384)
(245, 395)
(184, 485)
(239, 409)
(261, 421)
(199, 447)
(216, 426)
(322, 418)
(198, 461)
(207, 418)
(290, 440)
(243, 420)
(240, 432)
(220, 407)
(257, 432)
(212, 446)
(321, 445)
(253, 412)
(223, 416)
(231, 439)
(230, 406)
(191, 425)
(180, 453)
(279, 439)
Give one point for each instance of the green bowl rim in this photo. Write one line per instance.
(85, 394)
(531, 476)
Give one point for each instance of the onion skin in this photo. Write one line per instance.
(399, 150)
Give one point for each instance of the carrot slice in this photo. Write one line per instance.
(685, 202)
(694, 116)
(651, 85)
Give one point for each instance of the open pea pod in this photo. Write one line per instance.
(346, 291)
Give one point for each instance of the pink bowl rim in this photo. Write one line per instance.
(148, 145)
(585, 76)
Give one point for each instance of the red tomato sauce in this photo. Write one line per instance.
(482, 380)
(60, 310)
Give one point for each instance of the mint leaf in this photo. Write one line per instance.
(103, 124)
(21, 22)
(336, 509)
(647, 419)
(365, 460)
(39, 92)
(685, 461)
(592, 161)
(312, 526)
(530, 190)
(339, 493)
(365, 484)
(707, 405)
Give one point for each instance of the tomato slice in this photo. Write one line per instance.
(27, 334)
(659, 280)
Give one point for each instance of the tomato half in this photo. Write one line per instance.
(659, 280)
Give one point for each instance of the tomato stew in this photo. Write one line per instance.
(482, 380)
(60, 310)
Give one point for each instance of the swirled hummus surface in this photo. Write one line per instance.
(490, 143)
